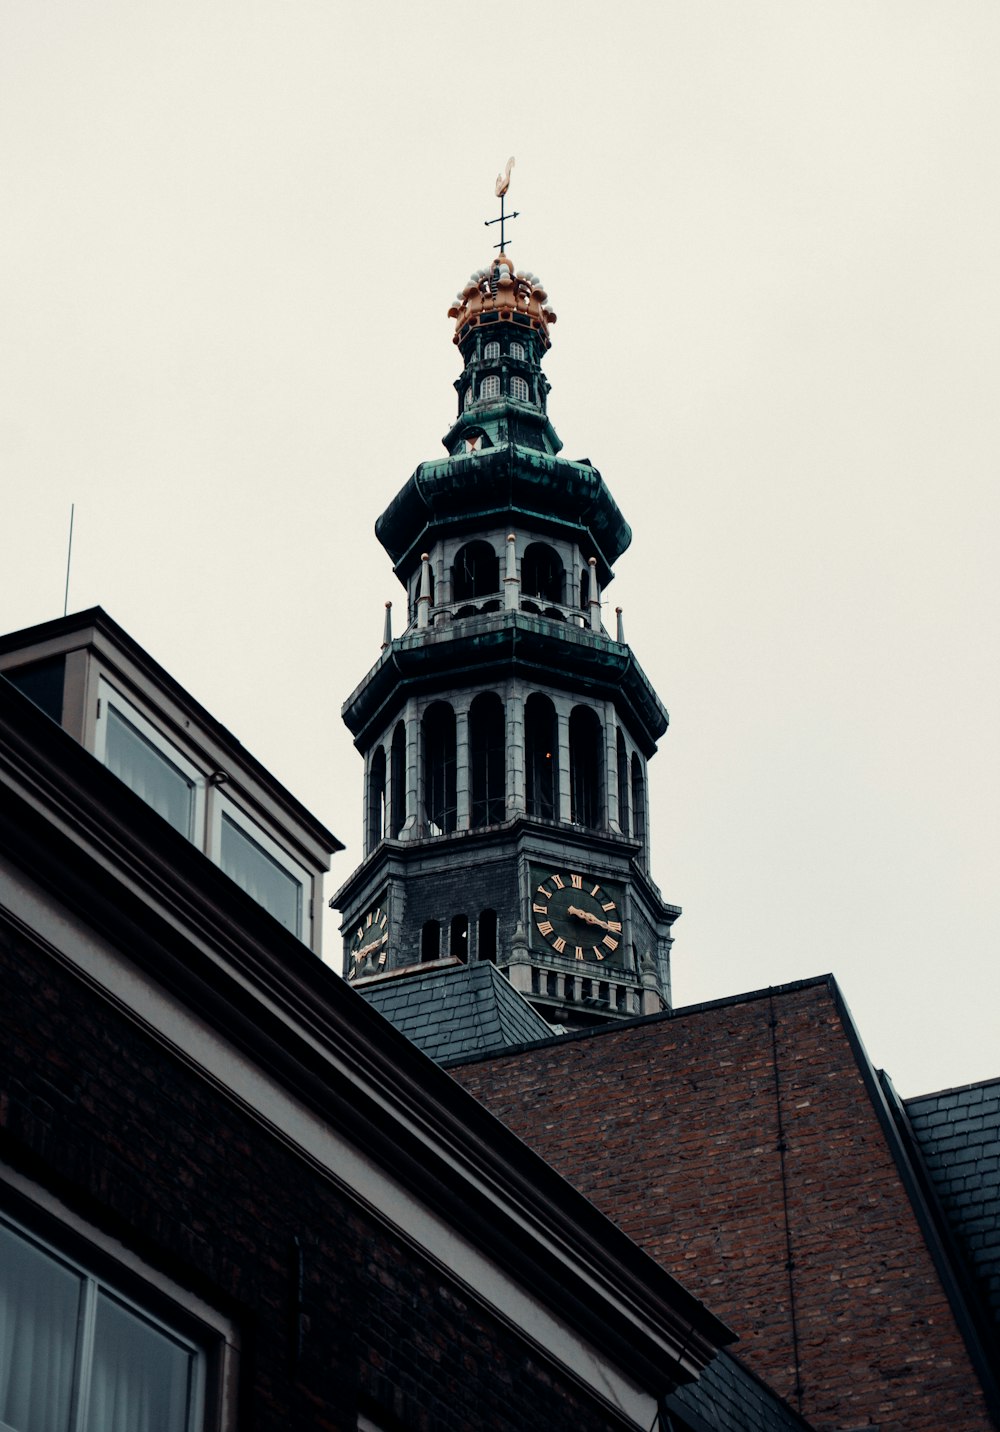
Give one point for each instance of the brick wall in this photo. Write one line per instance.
(482, 884)
(139, 1145)
(674, 1127)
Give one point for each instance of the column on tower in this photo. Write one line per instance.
(463, 813)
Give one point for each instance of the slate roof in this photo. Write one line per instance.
(958, 1133)
(728, 1398)
(456, 1012)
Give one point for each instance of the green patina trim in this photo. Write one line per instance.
(460, 491)
(484, 651)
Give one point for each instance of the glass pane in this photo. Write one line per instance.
(39, 1313)
(261, 876)
(148, 772)
(141, 1379)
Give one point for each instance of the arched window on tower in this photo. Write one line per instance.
(542, 573)
(488, 757)
(540, 757)
(517, 350)
(397, 770)
(430, 941)
(491, 353)
(439, 768)
(519, 389)
(586, 767)
(476, 572)
(638, 799)
(490, 386)
(623, 801)
(376, 798)
(460, 938)
(488, 935)
(467, 400)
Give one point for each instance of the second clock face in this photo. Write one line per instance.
(576, 916)
(370, 944)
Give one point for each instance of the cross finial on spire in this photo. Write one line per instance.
(503, 184)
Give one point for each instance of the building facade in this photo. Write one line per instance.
(232, 1195)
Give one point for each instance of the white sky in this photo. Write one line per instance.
(771, 232)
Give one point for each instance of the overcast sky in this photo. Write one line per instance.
(771, 233)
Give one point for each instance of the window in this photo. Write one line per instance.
(475, 573)
(467, 400)
(519, 389)
(491, 353)
(638, 799)
(397, 777)
(490, 386)
(542, 572)
(430, 941)
(440, 796)
(586, 766)
(260, 866)
(488, 758)
(460, 938)
(623, 815)
(517, 350)
(540, 756)
(75, 1353)
(141, 756)
(376, 799)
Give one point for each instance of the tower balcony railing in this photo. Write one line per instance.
(492, 604)
(612, 992)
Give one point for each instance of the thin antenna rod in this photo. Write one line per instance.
(69, 557)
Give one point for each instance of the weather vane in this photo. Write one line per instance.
(503, 184)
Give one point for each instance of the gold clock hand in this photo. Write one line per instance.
(588, 917)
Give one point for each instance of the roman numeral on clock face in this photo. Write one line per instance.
(545, 927)
(557, 881)
(576, 881)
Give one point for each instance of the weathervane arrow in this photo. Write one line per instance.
(503, 184)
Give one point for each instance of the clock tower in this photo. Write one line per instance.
(505, 732)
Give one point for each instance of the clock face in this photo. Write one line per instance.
(369, 948)
(576, 916)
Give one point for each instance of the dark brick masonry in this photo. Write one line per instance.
(139, 1144)
(698, 1133)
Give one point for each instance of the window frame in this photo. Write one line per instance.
(519, 389)
(106, 1267)
(108, 697)
(225, 805)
